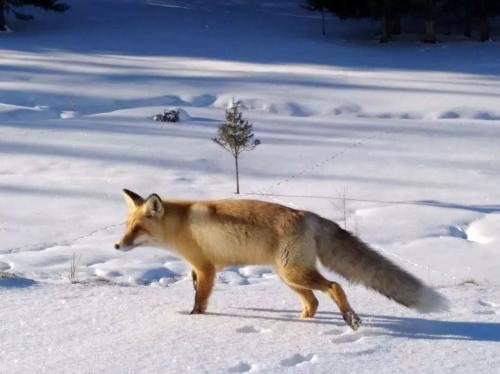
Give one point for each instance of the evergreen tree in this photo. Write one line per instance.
(472, 12)
(235, 136)
(469, 12)
(485, 9)
(7, 6)
(3, 26)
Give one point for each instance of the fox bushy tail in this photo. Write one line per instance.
(357, 262)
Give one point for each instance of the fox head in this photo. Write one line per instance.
(144, 221)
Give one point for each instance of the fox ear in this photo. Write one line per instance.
(133, 200)
(154, 206)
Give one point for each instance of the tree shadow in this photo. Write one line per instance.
(244, 31)
(8, 280)
(489, 208)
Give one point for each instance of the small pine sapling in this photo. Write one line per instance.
(235, 136)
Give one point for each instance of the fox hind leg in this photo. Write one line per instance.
(311, 279)
(336, 292)
(308, 300)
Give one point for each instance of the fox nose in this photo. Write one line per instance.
(117, 246)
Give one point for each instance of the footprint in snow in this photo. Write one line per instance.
(367, 351)
(332, 332)
(488, 303)
(349, 336)
(298, 359)
(493, 308)
(251, 329)
(240, 367)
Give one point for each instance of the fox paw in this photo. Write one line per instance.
(306, 314)
(199, 309)
(352, 319)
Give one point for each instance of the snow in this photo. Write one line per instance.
(397, 142)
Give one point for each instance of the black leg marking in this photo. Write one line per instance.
(352, 319)
(193, 274)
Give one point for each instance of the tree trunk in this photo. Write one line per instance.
(386, 29)
(3, 26)
(323, 28)
(468, 19)
(386, 21)
(468, 27)
(396, 24)
(485, 27)
(237, 175)
(430, 36)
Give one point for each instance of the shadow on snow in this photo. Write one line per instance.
(401, 327)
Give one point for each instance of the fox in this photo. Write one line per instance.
(213, 234)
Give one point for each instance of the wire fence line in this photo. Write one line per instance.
(272, 196)
(320, 163)
(65, 242)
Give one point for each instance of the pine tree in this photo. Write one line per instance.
(487, 8)
(3, 26)
(235, 136)
(13, 6)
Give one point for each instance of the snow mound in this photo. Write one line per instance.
(274, 106)
(469, 113)
(347, 109)
(67, 114)
(485, 230)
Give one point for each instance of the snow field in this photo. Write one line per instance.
(103, 327)
(397, 143)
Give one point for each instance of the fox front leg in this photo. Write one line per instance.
(204, 283)
(193, 275)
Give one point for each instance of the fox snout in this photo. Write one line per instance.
(119, 247)
(129, 241)
(123, 247)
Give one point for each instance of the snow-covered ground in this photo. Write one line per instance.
(400, 141)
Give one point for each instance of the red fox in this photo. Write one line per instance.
(211, 235)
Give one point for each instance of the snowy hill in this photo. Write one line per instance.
(397, 142)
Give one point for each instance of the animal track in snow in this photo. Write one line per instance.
(362, 352)
(492, 307)
(349, 336)
(331, 332)
(488, 303)
(252, 329)
(298, 359)
(240, 367)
